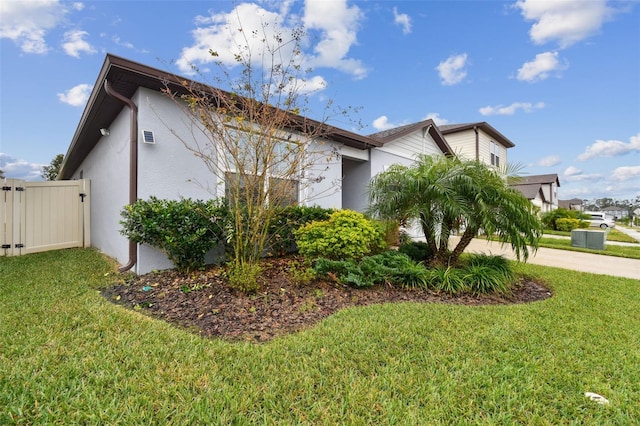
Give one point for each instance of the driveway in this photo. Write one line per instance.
(573, 260)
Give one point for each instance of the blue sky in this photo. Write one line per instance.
(561, 79)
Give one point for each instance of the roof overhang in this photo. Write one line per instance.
(126, 77)
(484, 126)
(427, 126)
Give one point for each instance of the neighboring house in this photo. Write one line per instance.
(128, 144)
(542, 190)
(616, 212)
(478, 141)
(572, 204)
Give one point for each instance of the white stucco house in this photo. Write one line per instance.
(126, 144)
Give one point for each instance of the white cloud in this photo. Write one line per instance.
(625, 173)
(403, 20)
(572, 171)
(222, 33)
(74, 43)
(548, 161)
(77, 95)
(311, 85)
(116, 39)
(14, 168)
(452, 71)
(436, 118)
(541, 67)
(382, 123)
(510, 109)
(27, 22)
(567, 21)
(78, 6)
(229, 33)
(579, 176)
(338, 26)
(611, 148)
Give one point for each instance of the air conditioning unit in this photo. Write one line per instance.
(596, 240)
(579, 238)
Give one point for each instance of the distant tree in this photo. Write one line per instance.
(1, 174)
(51, 171)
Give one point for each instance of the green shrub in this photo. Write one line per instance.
(388, 267)
(244, 276)
(345, 235)
(345, 271)
(300, 273)
(568, 224)
(489, 274)
(185, 230)
(411, 275)
(550, 219)
(416, 250)
(484, 280)
(289, 219)
(448, 279)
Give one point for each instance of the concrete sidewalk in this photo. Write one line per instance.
(573, 260)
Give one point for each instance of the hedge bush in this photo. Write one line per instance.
(347, 234)
(568, 224)
(185, 230)
(550, 219)
(418, 251)
(289, 219)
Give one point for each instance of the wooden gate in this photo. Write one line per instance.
(42, 216)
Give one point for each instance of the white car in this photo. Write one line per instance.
(599, 219)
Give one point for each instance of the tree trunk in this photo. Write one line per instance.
(466, 238)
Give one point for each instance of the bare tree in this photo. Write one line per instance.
(257, 142)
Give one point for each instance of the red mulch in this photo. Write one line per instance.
(204, 303)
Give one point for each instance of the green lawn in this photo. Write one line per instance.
(612, 235)
(632, 252)
(67, 356)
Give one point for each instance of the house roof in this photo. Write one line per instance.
(446, 129)
(530, 191)
(125, 77)
(568, 203)
(428, 125)
(539, 179)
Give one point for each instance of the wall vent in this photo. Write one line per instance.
(148, 137)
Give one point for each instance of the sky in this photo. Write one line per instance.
(560, 79)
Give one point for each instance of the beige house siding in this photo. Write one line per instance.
(464, 145)
(412, 144)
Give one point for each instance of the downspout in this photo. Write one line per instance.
(475, 129)
(133, 164)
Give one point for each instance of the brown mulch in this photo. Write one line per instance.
(204, 303)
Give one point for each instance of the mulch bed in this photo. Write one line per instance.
(204, 303)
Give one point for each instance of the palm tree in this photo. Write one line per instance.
(445, 193)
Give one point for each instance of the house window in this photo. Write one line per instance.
(495, 154)
(284, 192)
(272, 161)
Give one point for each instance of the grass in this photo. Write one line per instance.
(631, 252)
(67, 356)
